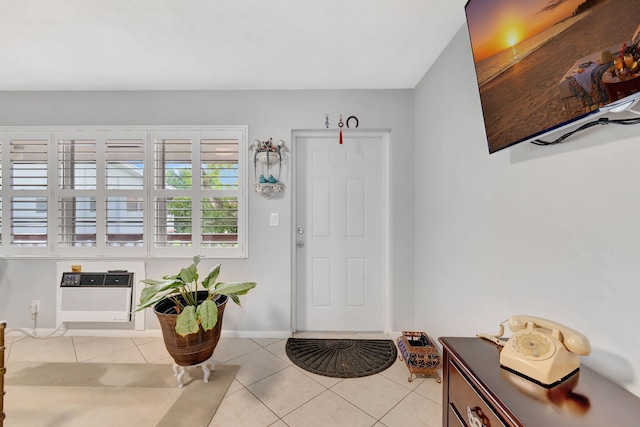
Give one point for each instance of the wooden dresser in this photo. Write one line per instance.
(478, 393)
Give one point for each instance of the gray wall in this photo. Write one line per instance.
(268, 114)
(546, 231)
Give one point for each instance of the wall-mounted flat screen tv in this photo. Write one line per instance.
(544, 65)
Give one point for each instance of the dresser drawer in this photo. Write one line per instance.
(454, 419)
(470, 406)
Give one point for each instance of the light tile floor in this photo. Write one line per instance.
(269, 390)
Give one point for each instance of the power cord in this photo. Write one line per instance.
(600, 121)
(30, 334)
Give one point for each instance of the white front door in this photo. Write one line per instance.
(341, 233)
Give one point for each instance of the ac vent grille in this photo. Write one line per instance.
(95, 297)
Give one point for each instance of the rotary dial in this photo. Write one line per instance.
(533, 345)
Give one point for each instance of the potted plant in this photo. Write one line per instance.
(190, 313)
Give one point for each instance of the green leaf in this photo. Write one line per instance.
(150, 303)
(235, 299)
(189, 274)
(211, 277)
(153, 281)
(208, 313)
(233, 288)
(157, 287)
(186, 322)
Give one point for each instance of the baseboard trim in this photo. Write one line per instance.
(47, 333)
(256, 334)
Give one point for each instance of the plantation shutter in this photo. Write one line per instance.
(197, 191)
(120, 192)
(100, 178)
(28, 195)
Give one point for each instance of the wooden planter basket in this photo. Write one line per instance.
(419, 353)
(191, 349)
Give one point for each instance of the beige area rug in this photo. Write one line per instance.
(111, 394)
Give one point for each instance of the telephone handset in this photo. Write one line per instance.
(543, 351)
(572, 340)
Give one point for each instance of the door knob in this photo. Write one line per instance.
(300, 230)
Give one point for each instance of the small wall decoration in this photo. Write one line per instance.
(341, 124)
(266, 156)
(352, 118)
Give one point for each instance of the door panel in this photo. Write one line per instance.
(341, 214)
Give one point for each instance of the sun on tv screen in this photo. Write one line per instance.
(542, 65)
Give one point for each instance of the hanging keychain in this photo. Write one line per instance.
(340, 124)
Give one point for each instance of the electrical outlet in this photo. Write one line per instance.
(35, 306)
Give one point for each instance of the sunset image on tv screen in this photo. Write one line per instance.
(542, 63)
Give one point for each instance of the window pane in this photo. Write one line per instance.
(219, 164)
(173, 221)
(220, 222)
(77, 164)
(124, 227)
(124, 164)
(134, 204)
(28, 224)
(77, 221)
(173, 164)
(28, 165)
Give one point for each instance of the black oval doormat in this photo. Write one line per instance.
(342, 358)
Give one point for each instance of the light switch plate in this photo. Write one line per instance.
(273, 219)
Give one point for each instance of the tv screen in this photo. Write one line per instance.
(543, 65)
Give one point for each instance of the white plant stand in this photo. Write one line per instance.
(207, 366)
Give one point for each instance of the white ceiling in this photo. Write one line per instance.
(222, 44)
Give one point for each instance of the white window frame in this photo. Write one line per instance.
(7, 192)
(53, 192)
(239, 133)
(101, 193)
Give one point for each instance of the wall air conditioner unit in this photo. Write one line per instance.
(95, 297)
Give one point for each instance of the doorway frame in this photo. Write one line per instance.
(387, 292)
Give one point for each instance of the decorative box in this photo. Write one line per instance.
(420, 354)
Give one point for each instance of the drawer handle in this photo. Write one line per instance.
(476, 417)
